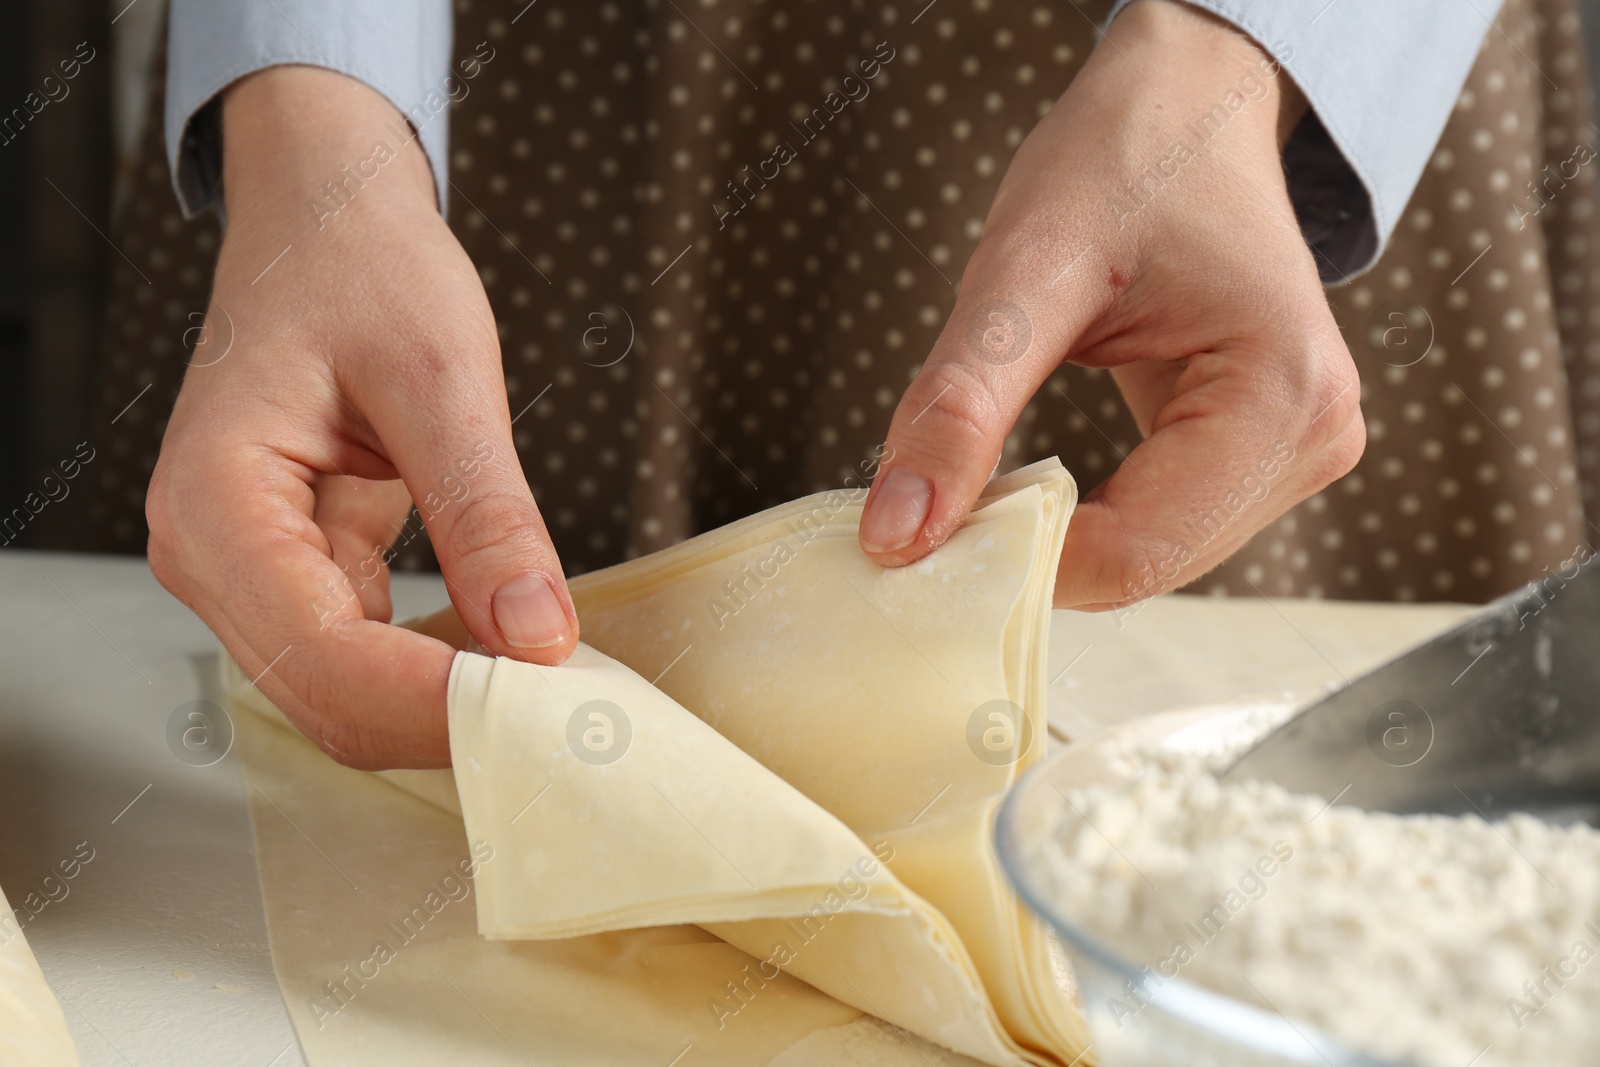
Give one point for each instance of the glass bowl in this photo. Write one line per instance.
(1137, 1018)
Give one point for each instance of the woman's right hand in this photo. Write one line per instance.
(349, 366)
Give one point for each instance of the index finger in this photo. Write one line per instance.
(1228, 454)
(246, 556)
(1021, 309)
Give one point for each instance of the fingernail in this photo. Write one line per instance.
(897, 511)
(528, 613)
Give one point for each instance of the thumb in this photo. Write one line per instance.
(461, 467)
(999, 346)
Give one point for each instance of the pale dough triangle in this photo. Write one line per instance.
(841, 713)
(643, 840)
(866, 688)
(683, 826)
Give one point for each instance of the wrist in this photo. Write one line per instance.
(1214, 59)
(307, 142)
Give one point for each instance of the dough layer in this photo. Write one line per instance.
(800, 752)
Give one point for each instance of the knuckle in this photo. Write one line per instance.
(1143, 568)
(158, 510)
(340, 743)
(427, 365)
(306, 702)
(952, 404)
(1019, 237)
(162, 548)
(1336, 434)
(1331, 388)
(488, 523)
(162, 564)
(1349, 449)
(1340, 397)
(1340, 456)
(449, 359)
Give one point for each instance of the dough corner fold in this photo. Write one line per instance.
(609, 806)
(771, 737)
(809, 777)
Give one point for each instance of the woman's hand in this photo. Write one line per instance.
(349, 367)
(1144, 226)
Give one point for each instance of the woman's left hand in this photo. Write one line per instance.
(1144, 226)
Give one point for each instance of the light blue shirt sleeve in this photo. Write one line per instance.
(1381, 77)
(401, 48)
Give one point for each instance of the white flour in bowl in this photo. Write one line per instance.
(1443, 941)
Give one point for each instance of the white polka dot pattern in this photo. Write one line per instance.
(693, 362)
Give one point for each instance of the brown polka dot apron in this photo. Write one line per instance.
(720, 237)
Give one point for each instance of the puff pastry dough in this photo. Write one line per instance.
(33, 1032)
(812, 753)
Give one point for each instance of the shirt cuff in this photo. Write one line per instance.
(1381, 79)
(401, 48)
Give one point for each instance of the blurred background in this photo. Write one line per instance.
(102, 283)
(65, 177)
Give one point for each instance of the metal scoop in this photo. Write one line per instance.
(1500, 714)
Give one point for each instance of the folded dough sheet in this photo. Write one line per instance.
(770, 737)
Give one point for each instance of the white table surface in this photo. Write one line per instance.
(159, 951)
